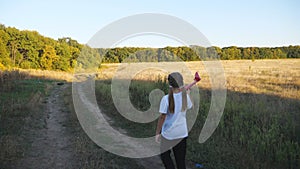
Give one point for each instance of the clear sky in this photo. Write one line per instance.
(224, 22)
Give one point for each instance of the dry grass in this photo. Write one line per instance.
(18, 74)
(279, 77)
(274, 77)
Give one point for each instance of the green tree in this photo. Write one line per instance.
(246, 53)
(4, 55)
(89, 59)
(293, 52)
(48, 58)
(254, 53)
(71, 42)
(64, 57)
(5, 61)
(75, 52)
(200, 52)
(265, 53)
(232, 52)
(213, 52)
(278, 54)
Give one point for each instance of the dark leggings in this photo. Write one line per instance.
(179, 149)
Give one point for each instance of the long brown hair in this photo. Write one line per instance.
(176, 81)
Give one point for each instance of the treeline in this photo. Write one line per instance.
(196, 53)
(30, 50)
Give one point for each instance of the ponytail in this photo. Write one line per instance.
(171, 101)
(184, 100)
(176, 82)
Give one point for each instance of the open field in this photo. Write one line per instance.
(260, 126)
(276, 77)
(279, 77)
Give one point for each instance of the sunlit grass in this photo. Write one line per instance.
(260, 124)
(276, 77)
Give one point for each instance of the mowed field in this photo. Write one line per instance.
(275, 77)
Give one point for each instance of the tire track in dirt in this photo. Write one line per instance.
(51, 146)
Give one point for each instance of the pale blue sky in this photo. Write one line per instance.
(224, 23)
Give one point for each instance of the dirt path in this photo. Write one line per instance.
(51, 146)
(51, 142)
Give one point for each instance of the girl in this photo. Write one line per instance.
(172, 129)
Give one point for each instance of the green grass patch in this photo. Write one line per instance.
(15, 112)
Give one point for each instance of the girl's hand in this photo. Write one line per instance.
(158, 138)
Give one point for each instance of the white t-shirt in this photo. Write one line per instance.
(175, 125)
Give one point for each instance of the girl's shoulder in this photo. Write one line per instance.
(165, 98)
